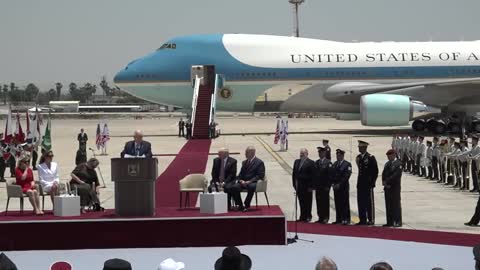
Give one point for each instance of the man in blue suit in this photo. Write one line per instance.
(138, 147)
(252, 170)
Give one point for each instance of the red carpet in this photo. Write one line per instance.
(192, 158)
(420, 236)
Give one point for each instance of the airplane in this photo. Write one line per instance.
(433, 84)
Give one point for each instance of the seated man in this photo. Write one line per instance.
(138, 147)
(224, 172)
(252, 170)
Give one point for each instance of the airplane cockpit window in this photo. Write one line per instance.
(172, 46)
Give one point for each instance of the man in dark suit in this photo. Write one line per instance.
(188, 126)
(302, 181)
(138, 147)
(342, 170)
(328, 151)
(391, 180)
(181, 128)
(322, 184)
(82, 138)
(224, 173)
(367, 176)
(252, 170)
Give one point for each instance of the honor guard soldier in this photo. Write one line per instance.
(367, 176)
(443, 161)
(411, 153)
(463, 160)
(328, 151)
(421, 154)
(428, 161)
(450, 162)
(435, 158)
(405, 144)
(322, 184)
(391, 180)
(302, 181)
(455, 165)
(342, 170)
(474, 156)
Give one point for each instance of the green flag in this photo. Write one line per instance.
(47, 138)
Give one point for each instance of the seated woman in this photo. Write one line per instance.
(24, 178)
(85, 182)
(48, 174)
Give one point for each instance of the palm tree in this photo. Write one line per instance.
(58, 87)
(12, 86)
(52, 94)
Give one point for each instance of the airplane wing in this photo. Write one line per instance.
(433, 92)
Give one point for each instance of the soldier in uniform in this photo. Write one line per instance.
(428, 161)
(367, 176)
(181, 128)
(450, 161)
(455, 165)
(420, 154)
(302, 181)
(322, 184)
(391, 180)
(405, 144)
(463, 160)
(411, 151)
(435, 158)
(443, 161)
(341, 171)
(474, 155)
(327, 149)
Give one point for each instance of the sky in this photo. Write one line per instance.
(81, 41)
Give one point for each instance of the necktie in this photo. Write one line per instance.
(301, 164)
(137, 149)
(222, 172)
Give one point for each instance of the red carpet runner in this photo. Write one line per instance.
(192, 158)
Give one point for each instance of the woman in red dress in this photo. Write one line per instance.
(24, 178)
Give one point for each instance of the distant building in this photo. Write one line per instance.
(64, 106)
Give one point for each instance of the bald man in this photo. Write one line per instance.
(138, 147)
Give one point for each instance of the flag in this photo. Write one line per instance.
(105, 134)
(98, 139)
(37, 134)
(8, 135)
(47, 138)
(277, 132)
(19, 135)
(282, 132)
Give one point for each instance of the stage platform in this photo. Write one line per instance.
(170, 227)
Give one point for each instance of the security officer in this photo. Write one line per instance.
(474, 155)
(188, 126)
(181, 128)
(322, 184)
(428, 161)
(435, 158)
(391, 180)
(367, 176)
(328, 151)
(342, 170)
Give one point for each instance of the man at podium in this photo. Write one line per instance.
(138, 147)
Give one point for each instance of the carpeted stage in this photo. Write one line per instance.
(170, 227)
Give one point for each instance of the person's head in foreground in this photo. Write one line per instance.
(391, 154)
(250, 152)
(303, 153)
(170, 264)
(223, 153)
(138, 136)
(233, 259)
(92, 163)
(6, 263)
(326, 264)
(340, 154)
(381, 266)
(117, 264)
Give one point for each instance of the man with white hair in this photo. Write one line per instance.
(302, 180)
(224, 173)
(138, 147)
(253, 169)
(326, 264)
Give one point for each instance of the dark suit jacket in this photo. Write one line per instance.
(145, 149)
(83, 138)
(254, 172)
(392, 174)
(303, 175)
(230, 170)
(341, 173)
(367, 170)
(324, 174)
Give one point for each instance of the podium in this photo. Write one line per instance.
(134, 185)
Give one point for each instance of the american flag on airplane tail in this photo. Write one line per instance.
(277, 132)
(98, 140)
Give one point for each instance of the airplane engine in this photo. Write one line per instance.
(391, 110)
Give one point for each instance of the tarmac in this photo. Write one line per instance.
(425, 204)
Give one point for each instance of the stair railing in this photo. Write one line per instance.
(196, 89)
(213, 104)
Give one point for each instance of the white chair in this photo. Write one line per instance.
(192, 183)
(14, 191)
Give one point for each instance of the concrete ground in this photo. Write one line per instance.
(426, 205)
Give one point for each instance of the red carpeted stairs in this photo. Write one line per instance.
(202, 116)
(192, 158)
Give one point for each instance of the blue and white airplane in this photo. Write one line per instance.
(436, 84)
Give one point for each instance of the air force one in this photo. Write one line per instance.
(435, 84)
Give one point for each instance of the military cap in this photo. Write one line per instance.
(476, 252)
(390, 152)
(452, 138)
(362, 143)
(325, 140)
(320, 148)
(340, 151)
(117, 264)
(475, 137)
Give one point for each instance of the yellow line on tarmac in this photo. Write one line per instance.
(289, 170)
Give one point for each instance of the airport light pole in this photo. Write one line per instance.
(296, 4)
